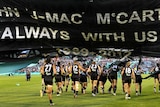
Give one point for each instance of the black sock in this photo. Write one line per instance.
(114, 89)
(129, 95)
(50, 101)
(76, 92)
(110, 88)
(95, 89)
(81, 90)
(140, 89)
(66, 88)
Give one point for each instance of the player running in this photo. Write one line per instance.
(138, 85)
(102, 79)
(127, 74)
(64, 75)
(75, 71)
(95, 73)
(59, 71)
(67, 77)
(156, 76)
(47, 72)
(113, 77)
(83, 80)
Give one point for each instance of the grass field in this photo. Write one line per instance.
(16, 92)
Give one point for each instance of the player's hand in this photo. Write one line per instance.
(86, 69)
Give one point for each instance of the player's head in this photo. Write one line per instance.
(48, 59)
(75, 59)
(139, 67)
(93, 62)
(84, 64)
(58, 63)
(69, 63)
(128, 63)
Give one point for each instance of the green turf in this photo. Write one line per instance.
(16, 92)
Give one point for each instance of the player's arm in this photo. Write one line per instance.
(54, 69)
(100, 70)
(122, 72)
(89, 69)
(66, 68)
(152, 70)
(81, 68)
(42, 70)
(141, 71)
(69, 69)
(109, 70)
(133, 76)
(62, 70)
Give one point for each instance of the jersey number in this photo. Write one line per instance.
(75, 69)
(128, 72)
(48, 68)
(58, 70)
(93, 68)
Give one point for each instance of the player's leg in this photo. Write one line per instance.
(123, 91)
(159, 82)
(76, 89)
(84, 87)
(61, 87)
(101, 86)
(81, 86)
(137, 88)
(129, 90)
(110, 88)
(84, 84)
(43, 90)
(63, 81)
(58, 88)
(155, 84)
(81, 83)
(49, 92)
(104, 79)
(67, 83)
(140, 87)
(114, 86)
(126, 90)
(95, 87)
(92, 87)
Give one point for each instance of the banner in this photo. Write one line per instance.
(91, 24)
